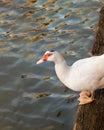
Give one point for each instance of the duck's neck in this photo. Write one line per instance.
(62, 70)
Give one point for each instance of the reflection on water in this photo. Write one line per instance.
(31, 96)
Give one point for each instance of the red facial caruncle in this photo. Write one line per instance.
(45, 56)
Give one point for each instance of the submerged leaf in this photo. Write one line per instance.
(39, 95)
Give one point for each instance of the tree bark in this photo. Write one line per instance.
(91, 116)
(98, 46)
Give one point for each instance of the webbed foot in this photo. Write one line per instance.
(85, 97)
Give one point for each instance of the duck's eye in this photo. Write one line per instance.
(52, 50)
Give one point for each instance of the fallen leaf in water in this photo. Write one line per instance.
(30, 57)
(46, 78)
(51, 2)
(67, 15)
(13, 36)
(50, 10)
(51, 39)
(51, 46)
(39, 19)
(93, 26)
(39, 95)
(59, 114)
(24, 35)
(4, 49)
(31, 2)
(85, 20)
(4, 15)
(60, 25)
(43, 25)
(24, 76)
(28, 13)
(29, 76)
(61, 8)
(37, 38)
(69, 53)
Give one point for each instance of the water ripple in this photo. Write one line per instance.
(31, 96)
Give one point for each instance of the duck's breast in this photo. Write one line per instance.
(86, 73)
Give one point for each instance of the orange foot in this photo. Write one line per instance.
(85, 97)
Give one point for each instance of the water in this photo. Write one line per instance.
(31, 96)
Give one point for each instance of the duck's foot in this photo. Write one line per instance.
(85, 97)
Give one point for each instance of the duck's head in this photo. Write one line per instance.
(48, 56)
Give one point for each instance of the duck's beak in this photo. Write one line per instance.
(40, 61)
(43, 59)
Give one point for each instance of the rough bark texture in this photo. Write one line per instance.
(98, 46)
(91, 116)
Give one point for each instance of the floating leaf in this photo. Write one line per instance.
(61, 25)
(4, 15)
(24, 76)
(30, 57)
(85, 20)
(28, 13)
(31, 2)
(39, 95)
(51, 2)
(46, 78)
(3, 50)
(39, 19)
(59, 114)
(69, 52)
(51, 45)
(59, 9)
(37, 38)
(43, 25)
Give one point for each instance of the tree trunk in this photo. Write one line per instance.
(98, 46)
(91, 116)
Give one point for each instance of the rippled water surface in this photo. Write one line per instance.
(31, 96)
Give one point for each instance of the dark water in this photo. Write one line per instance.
(31, 96)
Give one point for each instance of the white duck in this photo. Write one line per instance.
(84, 75)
